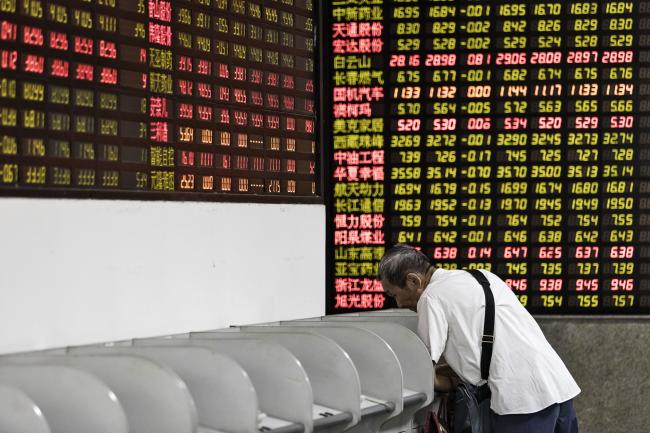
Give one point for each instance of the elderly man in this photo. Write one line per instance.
(531, 388)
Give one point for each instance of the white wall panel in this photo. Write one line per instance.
(82, 271)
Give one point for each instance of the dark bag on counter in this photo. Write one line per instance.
(472, 412)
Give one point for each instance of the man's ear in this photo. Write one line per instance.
(413, 281)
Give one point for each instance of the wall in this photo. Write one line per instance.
(82, 271)
(610, 360)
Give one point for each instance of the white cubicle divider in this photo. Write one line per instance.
(154, 398)
(379, 370)
(224, 395)
(71, 400)
(416, 365)
(19, 413)
(333, 376)
(402, 317)
(353, 373)
(283, 388)
(389, 311)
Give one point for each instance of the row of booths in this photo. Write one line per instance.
(360, 373)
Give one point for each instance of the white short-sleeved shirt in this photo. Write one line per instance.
(526, 374)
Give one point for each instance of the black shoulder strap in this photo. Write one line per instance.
(488, 325)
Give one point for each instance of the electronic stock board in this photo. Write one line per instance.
(506, 135)
(509, 135)
(182, 99)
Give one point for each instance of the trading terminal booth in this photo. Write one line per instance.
(414, 360)
(312, 375)
(372, 404)
(333, 376)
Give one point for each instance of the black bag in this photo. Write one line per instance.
(472, 412)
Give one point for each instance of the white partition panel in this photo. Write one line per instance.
(416, 365)
(334, 378)
(411, 352)
(154, 398)
(406, 318)
(379, 369)
(223, 393)
(72, 401)
(19, 413)
(282, 385)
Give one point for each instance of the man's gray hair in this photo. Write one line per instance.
(400, 260)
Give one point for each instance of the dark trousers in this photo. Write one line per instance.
(558, 418)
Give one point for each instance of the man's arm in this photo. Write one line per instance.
(445, 379)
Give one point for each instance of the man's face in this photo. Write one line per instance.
(407, 296)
